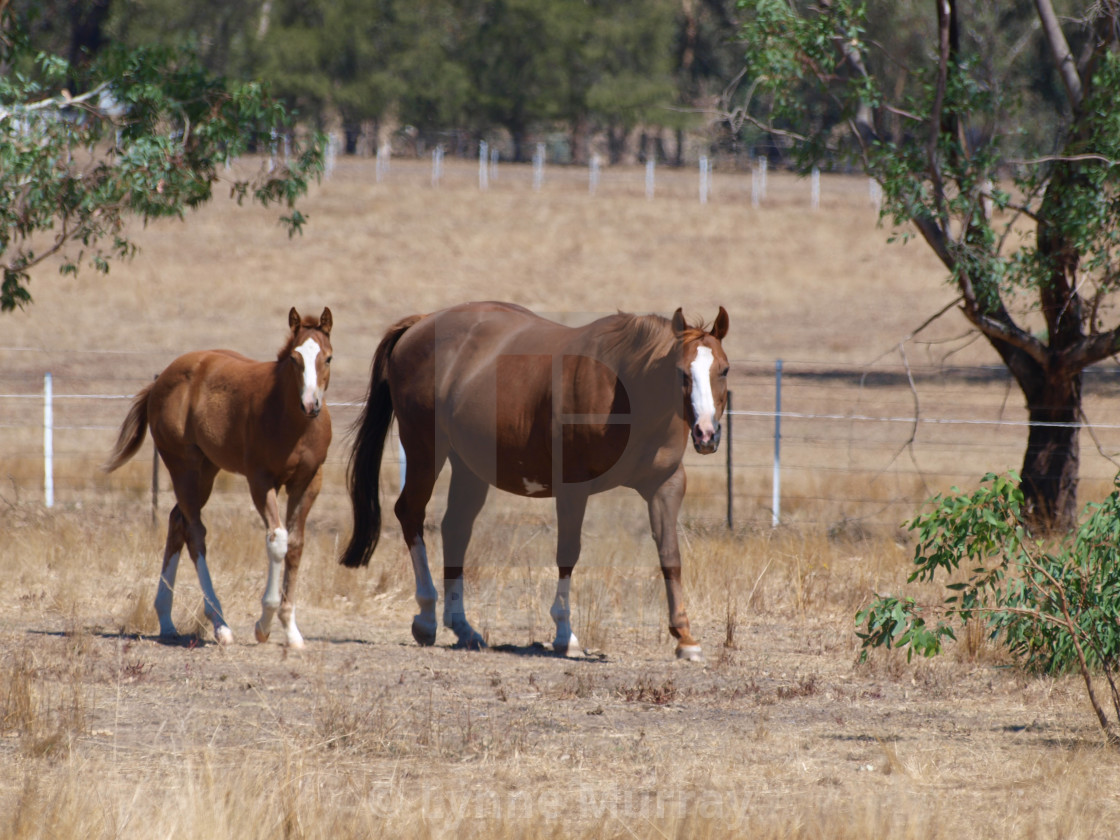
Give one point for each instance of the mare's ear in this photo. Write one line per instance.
(679, 326)
(293, 320)
(719, 328)
(326, 321)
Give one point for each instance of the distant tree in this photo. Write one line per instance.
(629, 49)
(142, 133)
(938, 125)
(514, 61)
(706, 56)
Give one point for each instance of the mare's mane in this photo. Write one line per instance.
(307, 322)
(638, 342)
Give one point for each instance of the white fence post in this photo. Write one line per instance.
(483, 165)
(48, 439)
(776, 498)
(382, 168)
(437, 165)
(705, 178)
(538, 167)
(815, 188)
(650, 165)
(593, 175)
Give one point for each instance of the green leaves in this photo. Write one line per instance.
(148, 137)
(1054, 606)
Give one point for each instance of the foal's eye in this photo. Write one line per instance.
(329, 358)
(723, 373)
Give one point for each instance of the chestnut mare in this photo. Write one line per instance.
(217, 410)
(542, 410)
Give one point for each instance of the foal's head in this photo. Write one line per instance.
(702, 369)
(309, 349)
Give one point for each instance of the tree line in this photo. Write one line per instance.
(631, 76)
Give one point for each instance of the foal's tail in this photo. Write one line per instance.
(365, 460)
(132, 433)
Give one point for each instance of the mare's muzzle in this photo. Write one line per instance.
(704, 443)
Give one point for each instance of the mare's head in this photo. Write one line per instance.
(702, 370)
(309, 350)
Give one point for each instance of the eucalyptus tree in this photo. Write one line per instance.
(127, 133)
(1019, 203)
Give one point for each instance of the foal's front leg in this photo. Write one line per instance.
(664, 507)
(276, 546)
(299, 506)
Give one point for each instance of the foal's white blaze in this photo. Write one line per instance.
(311, 395)
(703, 403)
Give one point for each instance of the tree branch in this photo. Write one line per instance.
(1059, 51)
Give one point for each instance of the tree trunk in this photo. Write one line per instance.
(1052, 460)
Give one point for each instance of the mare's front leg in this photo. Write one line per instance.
(664, 507)
(276, 546)
(570, 508)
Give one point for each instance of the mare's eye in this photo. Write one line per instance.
(723, 373)
(329, 358)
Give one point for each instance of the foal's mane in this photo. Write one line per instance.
(639, 342)
(307, 322)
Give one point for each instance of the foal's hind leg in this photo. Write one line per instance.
(465, 498)
(193, 485)
(424, 465)
(165, 592)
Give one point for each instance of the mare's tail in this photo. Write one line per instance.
(132, 433)
(365, 460)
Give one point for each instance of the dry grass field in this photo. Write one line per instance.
(779, 733)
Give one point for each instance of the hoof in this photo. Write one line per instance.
(570, 647)
(224, 636)
(262, 636)
(424, 631)
(690, 653)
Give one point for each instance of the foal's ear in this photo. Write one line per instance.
(293, 320)
(326, 321)
(679, 326)
(719, 328)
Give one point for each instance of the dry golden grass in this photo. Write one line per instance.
(104, 732)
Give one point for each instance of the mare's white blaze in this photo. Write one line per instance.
(534, 487)
(165, 592)
(311, 394)
(703, 403)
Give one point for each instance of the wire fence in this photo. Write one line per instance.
(845, 448)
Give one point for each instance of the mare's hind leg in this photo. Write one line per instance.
(165, 592)
(424, 464)
(193, 484)
(465, 498)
